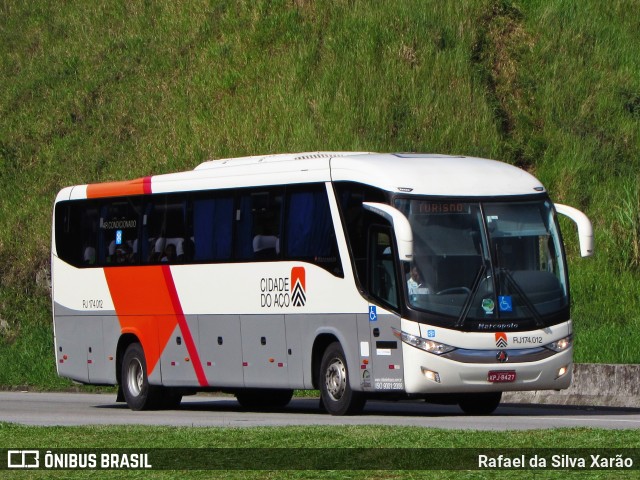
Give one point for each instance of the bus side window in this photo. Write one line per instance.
(212, 229)
(119, 227)
(310, 235)
(69, 247)
(164, 230)
(258, 220)
(76, 232)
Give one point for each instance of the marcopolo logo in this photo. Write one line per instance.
(284, 292)
(501, 340)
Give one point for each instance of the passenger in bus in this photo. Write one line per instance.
(111, 252)
(157, 246)
(169, 254)
(123, 254)
(89, 256)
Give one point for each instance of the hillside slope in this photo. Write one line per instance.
(93, 93)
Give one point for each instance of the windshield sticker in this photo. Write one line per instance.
(488, 305)
(506, 305)
(366, 378)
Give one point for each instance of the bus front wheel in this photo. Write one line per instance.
(337, 396)
(138, 394)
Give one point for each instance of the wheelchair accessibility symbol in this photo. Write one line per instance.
(373, 314)
(506, 305)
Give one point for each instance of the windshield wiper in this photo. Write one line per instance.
(474, 289)
(536, 316)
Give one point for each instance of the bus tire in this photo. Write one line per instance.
(138, 394)
(480, 403)
(336, 394)
(264, 398)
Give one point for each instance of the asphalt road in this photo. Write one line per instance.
(31, 408)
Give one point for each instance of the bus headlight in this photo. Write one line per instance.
(561, 345)
(422, 343)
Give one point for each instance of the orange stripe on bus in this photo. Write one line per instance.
(139, 186)
(144, 307)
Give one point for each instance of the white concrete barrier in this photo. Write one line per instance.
(593, 384)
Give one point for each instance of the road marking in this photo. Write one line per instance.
(586, 418)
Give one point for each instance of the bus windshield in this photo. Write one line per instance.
(485, 261)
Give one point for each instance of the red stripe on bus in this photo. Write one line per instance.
(146, 185)
(184, 327)
(139, 186)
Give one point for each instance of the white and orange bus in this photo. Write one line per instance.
(358, 274)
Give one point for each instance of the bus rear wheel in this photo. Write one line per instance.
(336, 394)
(480, 403)
(138, 394)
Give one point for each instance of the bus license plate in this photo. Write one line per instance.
(503, 376)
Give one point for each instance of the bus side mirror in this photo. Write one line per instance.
(401, 227)
(585, 229)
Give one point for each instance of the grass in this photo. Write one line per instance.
(323, 439)
(92, 92)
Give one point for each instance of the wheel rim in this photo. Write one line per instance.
(336, 379)
(135, 377)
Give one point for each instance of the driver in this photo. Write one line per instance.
(415, 283)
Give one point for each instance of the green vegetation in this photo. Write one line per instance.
(92, 92)
(317, 437)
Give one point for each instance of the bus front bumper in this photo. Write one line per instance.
(428, 373)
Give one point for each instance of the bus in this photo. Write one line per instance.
(361, 275)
